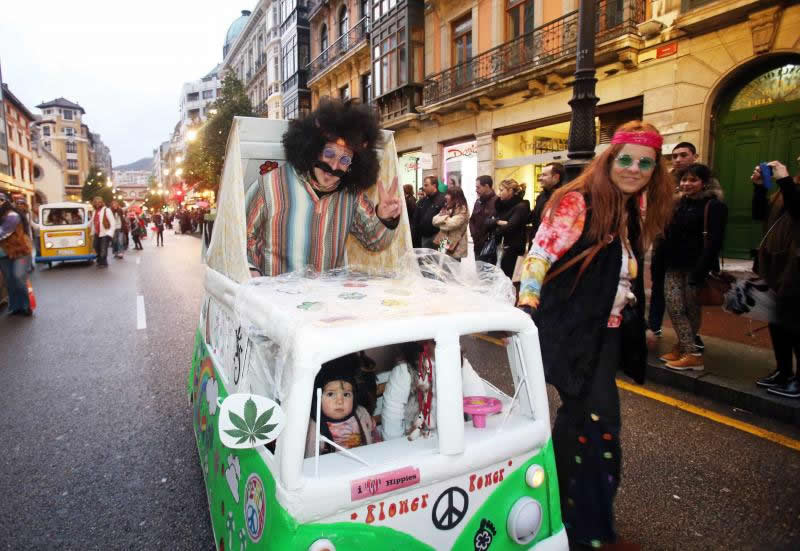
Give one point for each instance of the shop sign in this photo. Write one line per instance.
(469, 149)
(667, 50)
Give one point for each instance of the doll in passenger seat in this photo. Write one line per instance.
(343, 420)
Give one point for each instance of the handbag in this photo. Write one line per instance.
(489, 250)
(712, 291)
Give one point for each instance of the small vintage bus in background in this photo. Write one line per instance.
(64, 235)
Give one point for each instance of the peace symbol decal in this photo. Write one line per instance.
(450, 508)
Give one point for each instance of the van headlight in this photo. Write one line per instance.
(48, 245)
(524, 520)
(80, 242)
(534, 476)
(322, 545)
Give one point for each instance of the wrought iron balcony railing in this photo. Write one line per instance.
(550, 42)
(340, 47)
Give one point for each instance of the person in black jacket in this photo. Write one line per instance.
(689, 253)
(778, 264)
(511, 216)
(427, 208)
(552, 177)
(483, 210)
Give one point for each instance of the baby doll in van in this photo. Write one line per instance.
(343, 420)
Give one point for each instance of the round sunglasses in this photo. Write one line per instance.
(626, 161)
(329, 154)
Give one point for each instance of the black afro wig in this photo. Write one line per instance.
(355, 123)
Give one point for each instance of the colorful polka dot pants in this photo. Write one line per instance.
(588, 452)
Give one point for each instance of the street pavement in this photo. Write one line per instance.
(99, 451)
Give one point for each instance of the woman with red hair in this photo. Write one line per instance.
(582, 282)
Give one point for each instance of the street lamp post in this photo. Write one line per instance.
(582, 138)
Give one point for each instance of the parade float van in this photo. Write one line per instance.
(64, 233)
(483, 478)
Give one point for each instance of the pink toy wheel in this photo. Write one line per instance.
(479, 407)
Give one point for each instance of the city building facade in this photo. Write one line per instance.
(295, 56)
(18, 122)
(132, 185)
(160, 169)
(340, 50)
(5, 168)
(48, 171)
(498, 80)
(196, 99)
(253, 46)
(99, 153)
(62, 133)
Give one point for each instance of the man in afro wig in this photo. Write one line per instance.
(301, 214)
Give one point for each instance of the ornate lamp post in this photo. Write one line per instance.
(582, 137)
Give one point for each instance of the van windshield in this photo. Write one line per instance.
(62, 216)
(390, 394)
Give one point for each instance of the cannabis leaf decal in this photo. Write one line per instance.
(250, 427)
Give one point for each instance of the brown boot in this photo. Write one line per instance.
(687, 362)
(672, 356)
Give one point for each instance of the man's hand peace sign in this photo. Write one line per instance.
(388, 201)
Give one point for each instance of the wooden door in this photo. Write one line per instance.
(773, 134)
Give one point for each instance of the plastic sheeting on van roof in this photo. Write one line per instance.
(429, 284)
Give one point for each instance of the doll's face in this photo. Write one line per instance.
(337, 400)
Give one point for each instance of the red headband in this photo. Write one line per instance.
(649, 139)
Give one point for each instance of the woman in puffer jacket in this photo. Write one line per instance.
(689, 255)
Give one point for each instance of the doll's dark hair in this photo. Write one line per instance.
(355, 123)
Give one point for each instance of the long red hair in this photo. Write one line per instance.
(608, 203)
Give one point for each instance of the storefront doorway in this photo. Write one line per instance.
(758, 120)
(411, 170)
(461, 168)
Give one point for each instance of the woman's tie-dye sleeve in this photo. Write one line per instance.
(556, 235)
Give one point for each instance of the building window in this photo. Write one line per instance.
(47, 146)
(462, 40)
(381, 8)
(364, 8)
(45, 130)
(290, 57)
(208, 94)
(67, 114)
(520, 18)
(72, 164)
(344, 92)
(72, 147)
(323, 38)
(72, 180)
(193, 96)
(390, 67)
(366, 88)
(69, 131)
(344, 21)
